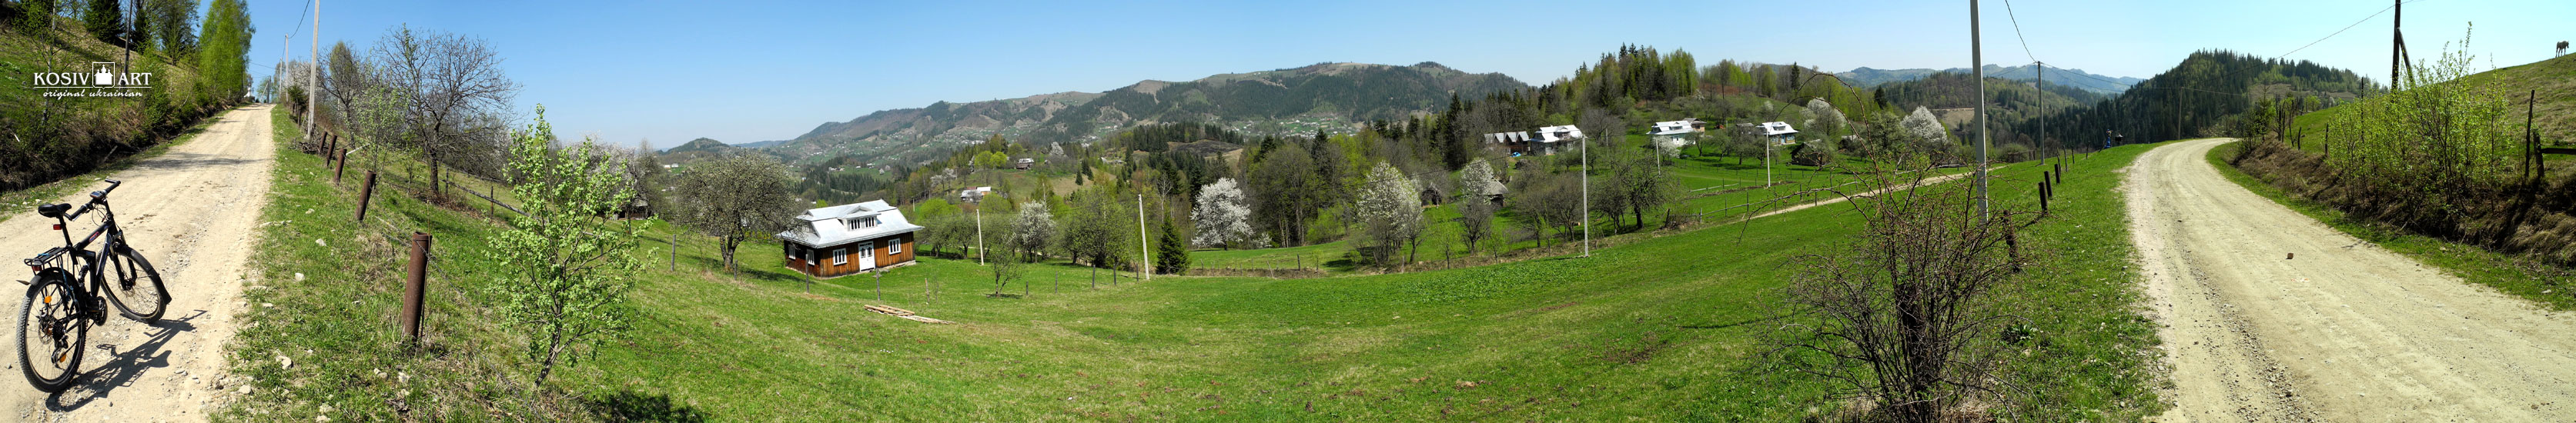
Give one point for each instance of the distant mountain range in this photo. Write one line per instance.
(1329, 96)
(1866, 77)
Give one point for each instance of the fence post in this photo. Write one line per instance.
(365, 193)
(340, 168)
(417, 275)
(2043, 196)
(880, 285)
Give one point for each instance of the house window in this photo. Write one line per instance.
(809, 256)
(840, 256)
(863, 223)
(894, 247)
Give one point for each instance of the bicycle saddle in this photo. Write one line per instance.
(53, 210)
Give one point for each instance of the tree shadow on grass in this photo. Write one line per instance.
(628, 406)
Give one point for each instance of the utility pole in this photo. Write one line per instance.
(1142, 245)
(1587, 194)
(979, 231)
(312, 78)
(1977, 54)
(2397, 28)
(2044, 145)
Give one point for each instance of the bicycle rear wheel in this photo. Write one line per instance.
(51, 333)
(136, 287)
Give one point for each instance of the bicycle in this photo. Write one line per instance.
(62, 305)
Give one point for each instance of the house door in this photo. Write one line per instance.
(867, 255)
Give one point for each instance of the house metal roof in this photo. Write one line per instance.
(1677, 127)
(829, 226)
(1776, 128)
(1559, 133)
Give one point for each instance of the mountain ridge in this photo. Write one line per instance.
(1288, 100)
(1867, 77)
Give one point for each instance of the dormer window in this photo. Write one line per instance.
(863, 223)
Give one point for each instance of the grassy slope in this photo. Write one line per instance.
(22, 54)
(2512, 274)
(2555, 82)
(1663, 329)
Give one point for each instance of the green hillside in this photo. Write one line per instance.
(47, 137)
(1666, 329)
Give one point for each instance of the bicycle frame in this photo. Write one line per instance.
(91, 276)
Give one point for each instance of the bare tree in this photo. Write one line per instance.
(456, 87)
(734, 198)
(1903, 318)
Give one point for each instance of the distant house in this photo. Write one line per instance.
(1778, 132)
(1516, 142)
(1545, 140)
(1671, 136)
(1024, 163)
(976, 194)
(1493, 192)
(1433, 192)
(851, 238)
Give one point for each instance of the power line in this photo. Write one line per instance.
(2025, 42)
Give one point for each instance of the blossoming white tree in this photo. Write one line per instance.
(1389, 210)
(1224, 217)
(1033, 230)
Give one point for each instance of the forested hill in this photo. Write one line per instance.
(2013, 102)
(1297, 100)
(2202, 93)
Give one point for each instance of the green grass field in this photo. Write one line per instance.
(1664, 329)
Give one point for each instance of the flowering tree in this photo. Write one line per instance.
(1223, 216)
(1389, 210)
(1926, 129)
(1033, 229)
(1476, 211)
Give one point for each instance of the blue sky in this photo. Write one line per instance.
(756, 71)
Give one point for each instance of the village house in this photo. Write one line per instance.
(1778, 132)
(1671, 136)
(1544, 141)
(1024, 163)
(850, 238)
(972, 195)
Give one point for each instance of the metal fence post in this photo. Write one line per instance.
(365, 193)
(416, 281)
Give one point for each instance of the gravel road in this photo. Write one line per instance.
(191, 211)
(2342, 331)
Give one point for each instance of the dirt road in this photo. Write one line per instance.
(2345, 331)
(192, 212)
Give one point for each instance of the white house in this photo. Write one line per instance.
(1555, 134)
(975, 194)
(1671, 136)
(850, 238)
(1779, 132)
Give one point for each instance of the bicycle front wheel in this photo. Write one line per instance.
(51, 331)
(136, 287)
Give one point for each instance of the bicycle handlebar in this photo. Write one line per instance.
(111, 187)
(95, 198)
